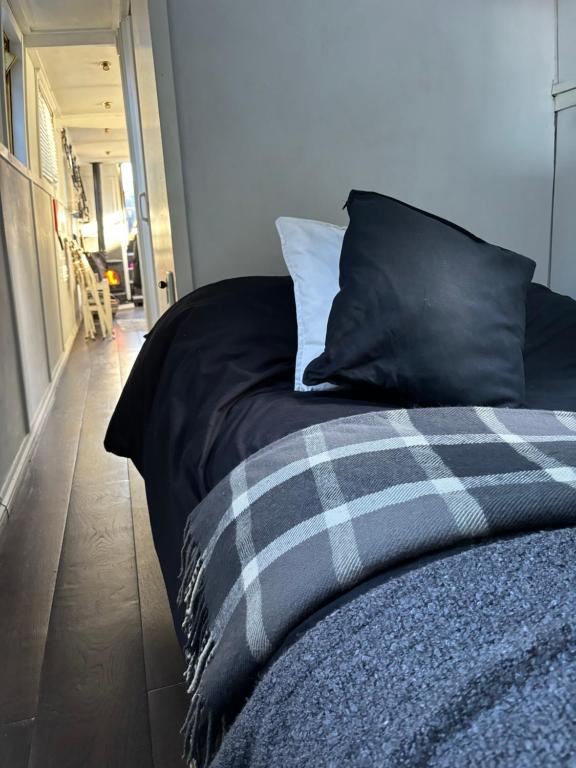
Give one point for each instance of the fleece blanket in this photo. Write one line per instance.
(323, 509)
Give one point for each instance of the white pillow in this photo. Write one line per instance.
(311, 251)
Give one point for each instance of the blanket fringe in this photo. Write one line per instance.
(201, 730)
(202, 734)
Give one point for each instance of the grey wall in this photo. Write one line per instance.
(20, 238)
(13, 422)
(563, 267)
(44, 223)
(566, 40)
(32, 342)
(285, 106)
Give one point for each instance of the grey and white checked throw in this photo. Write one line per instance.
(322, 509)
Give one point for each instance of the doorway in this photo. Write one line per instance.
(97, 137)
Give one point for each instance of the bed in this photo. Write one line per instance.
(454, 647)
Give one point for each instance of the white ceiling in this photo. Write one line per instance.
(79, 84)
(50, 15)
(81, 87)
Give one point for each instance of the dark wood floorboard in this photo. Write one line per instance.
(15, 741)
(93, 708)
(167, 697)
(167, 706)
(163, 656)
(90, 668)
(30, 545)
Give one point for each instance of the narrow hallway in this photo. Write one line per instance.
(91, 669)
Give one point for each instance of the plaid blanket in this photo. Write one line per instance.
(322, 509)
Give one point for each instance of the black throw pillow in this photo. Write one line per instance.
(426, 311)
(550, 351)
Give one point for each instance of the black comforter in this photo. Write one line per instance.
(213, 384)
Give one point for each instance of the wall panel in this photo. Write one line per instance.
(563, 272)
(44, 221)
(67, 292)
(12, 407)
(159, 212)
(566, 42)
(20, 239)
(563, 266)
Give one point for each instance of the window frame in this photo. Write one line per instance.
(43, 93)
(8, 96)
(13, 125)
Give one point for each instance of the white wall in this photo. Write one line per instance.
(284, 106)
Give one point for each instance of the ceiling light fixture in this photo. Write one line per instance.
(106, 66)
(107, 104)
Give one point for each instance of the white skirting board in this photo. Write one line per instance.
(23, 457)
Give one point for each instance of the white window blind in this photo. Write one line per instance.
(47, 139)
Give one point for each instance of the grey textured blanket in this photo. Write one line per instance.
(321, 510)
(465, 662)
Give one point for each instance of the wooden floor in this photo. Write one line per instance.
(90, 669)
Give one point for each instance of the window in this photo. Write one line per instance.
(47, 140)
(12, 99)
(9, 61)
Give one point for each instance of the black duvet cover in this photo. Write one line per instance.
(213, 384)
